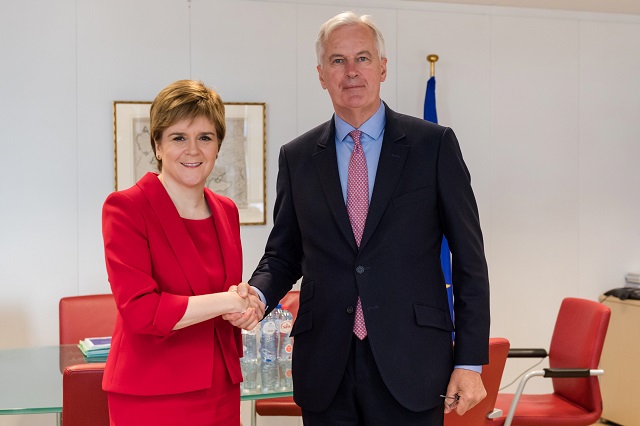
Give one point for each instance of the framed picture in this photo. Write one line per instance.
(239, 172)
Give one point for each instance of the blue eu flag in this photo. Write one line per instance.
(431, 115)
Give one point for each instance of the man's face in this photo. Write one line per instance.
(352, 71)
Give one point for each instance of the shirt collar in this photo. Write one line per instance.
(373, 127)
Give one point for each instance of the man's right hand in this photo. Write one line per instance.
(254, 313)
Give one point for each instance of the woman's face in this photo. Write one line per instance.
(188, 149)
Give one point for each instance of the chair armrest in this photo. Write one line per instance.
(547, 372)
(571, 372)
(527, 353)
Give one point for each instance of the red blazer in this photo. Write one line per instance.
(153, 268)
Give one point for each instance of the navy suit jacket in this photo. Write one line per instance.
(422, 191)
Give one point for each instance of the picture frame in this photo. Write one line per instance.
(240, 169)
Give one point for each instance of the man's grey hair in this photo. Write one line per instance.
(344, 19)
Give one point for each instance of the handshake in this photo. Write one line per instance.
(253, 310)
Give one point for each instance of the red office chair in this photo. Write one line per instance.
(83, 400)
(282, 406)
(574, 354)
(86, 316)
(485, 414)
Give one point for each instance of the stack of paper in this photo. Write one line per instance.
(632, 280)
(95, 348)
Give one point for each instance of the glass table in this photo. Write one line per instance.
(31, 380)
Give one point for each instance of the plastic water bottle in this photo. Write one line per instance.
(269, 376)
(269, 351)
(250, 343)
(269, 337)
(250, 361)
(285, 348)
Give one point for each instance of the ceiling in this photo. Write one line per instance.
(629, 7)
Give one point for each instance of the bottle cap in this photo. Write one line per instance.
(279, 306)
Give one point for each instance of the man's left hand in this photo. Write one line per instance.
(468, 386)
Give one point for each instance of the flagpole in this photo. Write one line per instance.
(431, 115)
(432, 61)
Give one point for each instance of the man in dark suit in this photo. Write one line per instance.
(365, 235)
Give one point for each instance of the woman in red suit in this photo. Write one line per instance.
(173, 252)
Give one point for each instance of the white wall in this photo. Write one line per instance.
(545, 104)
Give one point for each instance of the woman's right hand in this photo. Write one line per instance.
(253, 311)
(241, 303)
(252, 295)
(206, 306)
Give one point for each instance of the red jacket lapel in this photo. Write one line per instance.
(176, 233)
(228, 236)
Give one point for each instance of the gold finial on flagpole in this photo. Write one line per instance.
(432, 61)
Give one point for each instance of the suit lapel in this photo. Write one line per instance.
(229, 244)
(392, 158)
(177, 235)
(326, 163)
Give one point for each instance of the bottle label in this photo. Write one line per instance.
(269, 327)
(252, 332)
(288, 373)
(285, 327)
(289, 348)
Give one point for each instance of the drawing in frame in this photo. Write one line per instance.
(239, 172)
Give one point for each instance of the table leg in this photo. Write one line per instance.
(58, 419)
(253, 413)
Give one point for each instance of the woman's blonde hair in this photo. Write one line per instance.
(185, 99)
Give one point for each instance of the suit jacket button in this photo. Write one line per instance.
(350, 310)
(360, 269)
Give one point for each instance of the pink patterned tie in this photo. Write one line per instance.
(358, 207)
